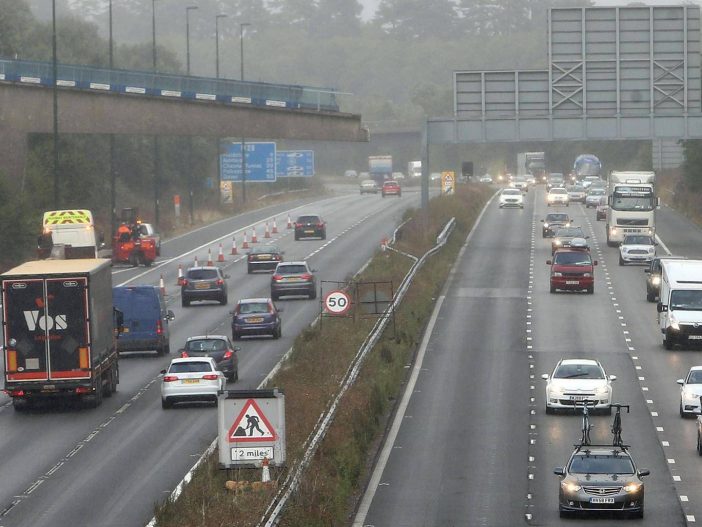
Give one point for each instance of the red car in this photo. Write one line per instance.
(391, 188)
(572, 270)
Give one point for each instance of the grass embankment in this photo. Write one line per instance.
(310, 379)
(674, 192)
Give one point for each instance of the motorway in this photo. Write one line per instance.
(471, 444)
(65, 466)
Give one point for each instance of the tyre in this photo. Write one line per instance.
(133, 260)
(224, 300)
(275, 296)
(185, 302)
(650, 297)
(591, 290)
(681, 411)
(167, 349)
(553, 289)
(232, 377)
(166, 404)
(313, 294)
(160, 350)
(236, 336)
(621, 260)
(278, 333)
(549, 410)
(699, 444)
(95, 399)
(668, 343)
(21, 405)
(638, 514)
(147, 263)
(249, 269)
(297, 237)
(324, 235)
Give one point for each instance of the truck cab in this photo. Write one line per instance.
(632, 205)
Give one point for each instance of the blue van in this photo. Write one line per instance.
(145, 318)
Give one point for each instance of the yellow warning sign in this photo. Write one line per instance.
(64, 217)
(448, 182)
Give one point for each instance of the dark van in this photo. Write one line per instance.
(145, 318)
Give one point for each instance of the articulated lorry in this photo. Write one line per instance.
(380, 168)
(73, 230)
(632, 205)
(532, 164)
(59, 331)
(680, 305)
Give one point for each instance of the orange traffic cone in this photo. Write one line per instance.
(162, 286)
(220, 256)
(234, 251)
(289, 222)
(180, 275)
(254, 238)
(267, 232)
(245, 245)
(210, 263)
(275, 227)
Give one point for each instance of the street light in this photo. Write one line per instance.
(187, 35)
(217, 43)
(156, 154)
(113, 175)
(54, 68)
(153, 33)
(242, 25)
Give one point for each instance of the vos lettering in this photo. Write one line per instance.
(44, 323)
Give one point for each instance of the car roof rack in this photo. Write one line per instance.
(615, 449)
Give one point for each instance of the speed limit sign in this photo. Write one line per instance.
(337, 303)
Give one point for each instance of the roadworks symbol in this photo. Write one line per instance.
(251, 425)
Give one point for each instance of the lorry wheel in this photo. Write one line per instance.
(107, 383)
(650, 297)
(21, 405)
(668, 343)
(95, 399)
(134, 260)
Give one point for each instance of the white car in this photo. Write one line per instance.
(557, 196)
(511, 197)
(398, 176)
(594, 197)
(576, 381)
(589, 180)
(350, 173)
(637, 248)
(690, 392)
(486, 178)
(520, 183)
(191, 379)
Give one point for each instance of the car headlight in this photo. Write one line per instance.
(614, 230)
(557, 274)
(569, 486)
(587, 275)
(601, 390)
(674, 322)
(690, 393)
(651, 250)
(632, 487)
(546, 225)
(656, 280)
(557, 242)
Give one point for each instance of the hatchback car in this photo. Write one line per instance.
(576, 193)
(391, 188)
(219, 347)
(368, 186)
(293, 278)
(263, 258)
(653, 276)
(572, 270)
(256, 316)
(555, 179)
(350, 173)
(564, 236)
(147, 229)
(204, 283)
(520, 183)
(601, 478)
(486, 178)
(552, 222)
(557, 196)
(690, 392)
(310, 226)
(601, 211)
(511, 197)
(578, 381)
(191, 379)
(594, 197)
(637, 248)
(146, 318)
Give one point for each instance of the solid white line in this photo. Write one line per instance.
(665, 247)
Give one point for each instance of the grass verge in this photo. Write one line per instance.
(310, 379)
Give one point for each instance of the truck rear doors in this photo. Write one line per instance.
(46, 331)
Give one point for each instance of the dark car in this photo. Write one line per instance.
(263, 258)
(293, 278)
(310, 226)
(601, 478)
(146, 318)
(391, 188)
(555, 179)
(203, 283)
(256, 316)
(653, 276)
(220, 348)
(563, 237)
(552, 222)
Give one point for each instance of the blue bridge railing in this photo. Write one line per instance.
(170, 85)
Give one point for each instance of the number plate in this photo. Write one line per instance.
(191, 381)
(309, 232)
(256, 320)
(578, 397)
(204, 285)
(695, 337)
(572, 282)
(264, 256)
(601, 500)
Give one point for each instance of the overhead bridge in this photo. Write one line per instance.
(104, 101)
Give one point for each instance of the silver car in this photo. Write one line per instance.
(293, 279)
(594, 197)
(191, 379)
(368, 186)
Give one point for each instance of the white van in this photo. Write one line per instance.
(680, 305)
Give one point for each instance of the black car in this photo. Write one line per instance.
(601, 478)
(203, 283)
(256, 316)
(263, 258)
(564, 236)
(310, 226)
(552, 222)
(293, 278)
(220, 348)
(653, 276)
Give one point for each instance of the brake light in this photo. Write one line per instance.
(83, 389)
(306, 276)
(228, 354)
(184, 282)
(298, 225)
(271, 310)
(320, 225)
(277, 277)
(159, 327)
(170, 378)
(184, 355)
(211, 377)
(220, 281)
(15, 393)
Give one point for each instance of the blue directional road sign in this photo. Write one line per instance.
(295, 163)
(260, 162)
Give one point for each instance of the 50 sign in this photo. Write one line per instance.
(337, 303)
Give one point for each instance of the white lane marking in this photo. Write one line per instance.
(665, 247)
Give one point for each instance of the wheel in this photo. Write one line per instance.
(275, 296)
(233, 377)
(668, 343)
(185, 302)
(277, 333)
(249, 269)
(591, 290)
(621, 260)
(553, 289)
(297, 237)
(699, 444)
(563, 513)
(167, 349)
(109, 387)
(638, 514)
(166, 404)
(680, 409)
(95, 399)
(650, 297)
(383, 194)
(324, 235)
(549, 410)
(20, 405)
(235, 336)
(313, 294)
(224, 300)
(147, 263)
(160, 351)
(133, 260)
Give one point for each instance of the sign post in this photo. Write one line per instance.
(448, 182)
(337, 302)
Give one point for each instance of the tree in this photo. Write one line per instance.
(16, 23)
(416, 19)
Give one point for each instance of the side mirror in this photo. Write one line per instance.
(279, 309)
(661, 307)
(226, 277)
(680, 381)
(587, 237)
(163, 372)
(282, 252)
(237, 348)
(170, 315)
(612, 377)
(313, 270)
(548, 262)
(231, 312)
(644, 472)
(646, 270)
(544, 376)
(559, 471)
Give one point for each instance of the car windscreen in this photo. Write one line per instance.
(572, 258)
(202, 274)
(687, 300)
(206, 345)
(512, 192)
(638, 240)
(136, 302)
(291, 269)
(556, 217)
(597, 192)
(308, 219)
(578, 371)
(265, 249)
(253, 307)
(558, 191)
(190, 367)
(601, 464)
(570, 232)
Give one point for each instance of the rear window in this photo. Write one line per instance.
(558, 191)
(265, 249)
(206, 345)
(202, 274)
(309, 219)
(190, 367)
(136, 302)
(557, 217)
(291, 269)
(568, 232)
(253, 307)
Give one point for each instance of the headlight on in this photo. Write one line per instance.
(557, 242)
(651, 250)
(557, 274)
(546, 225)
(632, 487)
(570, 487)
(586, 275)
(656, 280)
(601, 390)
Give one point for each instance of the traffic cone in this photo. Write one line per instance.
(162, 286)
(265, 471)
(267, 232)
(197, 264)
(245, 245)
(289, 222)
(275, 227)
(234, 251)
(220, 256)
(210, 263)
(254, 238)
(180, 275)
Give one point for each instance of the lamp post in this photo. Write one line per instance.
(153, 34)
(113, 176)
(242, 25)
(54, 67)
(187, 36)
(217, 44)
(156, 153)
